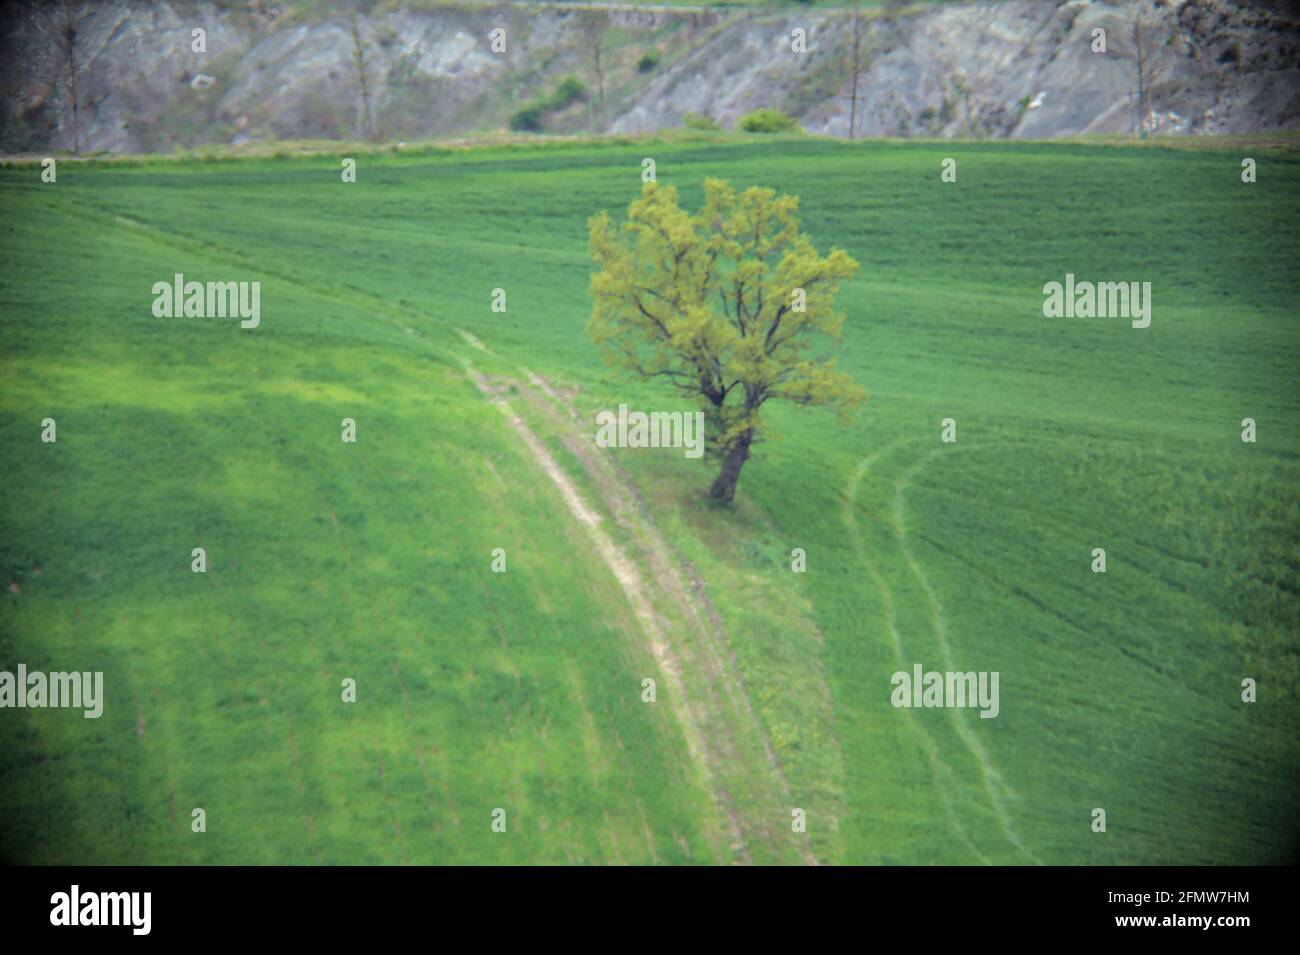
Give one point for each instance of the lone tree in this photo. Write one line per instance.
(594, 30)
(857, 64)
(725, 305)
(1141, 98)
(360, 64)
(64, 22)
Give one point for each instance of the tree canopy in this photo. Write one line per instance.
(725, 305)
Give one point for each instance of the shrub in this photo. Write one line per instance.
(570, 90)
(767, 120)
(527, 119)
(698, 121)
(649, 60)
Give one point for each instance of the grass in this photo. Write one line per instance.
(521, 690)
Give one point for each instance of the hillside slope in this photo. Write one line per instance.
(1016, 68)
(521, 690)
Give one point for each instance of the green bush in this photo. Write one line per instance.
(570, 90)
(698, 121)
(527, 119)
(767, 120)
(649, 60)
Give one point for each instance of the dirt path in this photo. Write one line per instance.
(629, 580)
(685, 633)
(676, 580)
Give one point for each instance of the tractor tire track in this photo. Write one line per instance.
(939, 770)
(996, 787)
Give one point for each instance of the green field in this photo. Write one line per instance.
(522, 690)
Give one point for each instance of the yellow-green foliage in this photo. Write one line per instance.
(711, 303)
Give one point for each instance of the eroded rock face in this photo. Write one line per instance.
(1002, 68)
(1014, 69)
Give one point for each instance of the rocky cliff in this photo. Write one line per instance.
(1002, 68)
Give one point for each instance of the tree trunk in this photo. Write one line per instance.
(600, 81)
(593, 31)
(857, 68)
(724, 488)
(66, 43)
(76, 118)
(1139, 117)
(359, 61)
